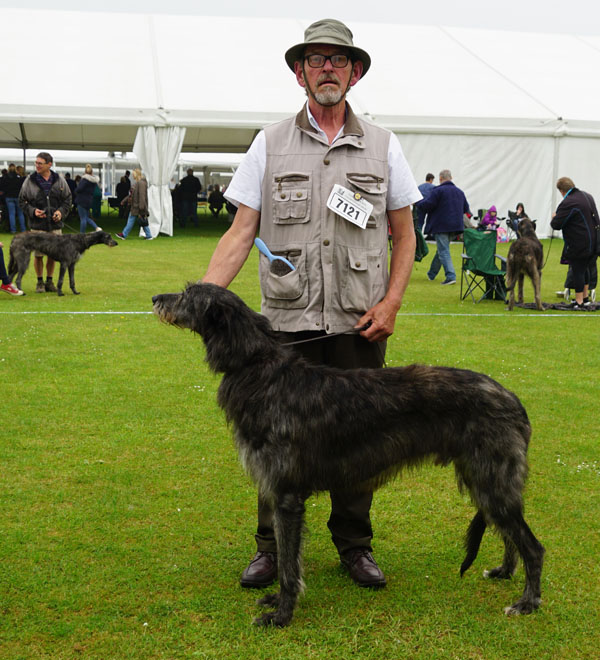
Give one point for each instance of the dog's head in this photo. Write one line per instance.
(104, 237)
(526, 227)
(232, 332)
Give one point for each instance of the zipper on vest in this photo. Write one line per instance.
(366, 178)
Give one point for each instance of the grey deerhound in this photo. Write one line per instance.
(301, 428)
(525, 257)
(64, 248)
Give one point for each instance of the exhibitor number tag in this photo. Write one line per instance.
(350, 206)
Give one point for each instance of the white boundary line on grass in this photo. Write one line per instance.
(467, 314)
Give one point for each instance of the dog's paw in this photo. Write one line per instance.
(272, 619)
(498, 573)
(523, 606)
(270, 600)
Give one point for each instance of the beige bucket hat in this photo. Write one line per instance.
(333, 33)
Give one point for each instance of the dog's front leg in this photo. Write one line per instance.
(61, 279)
(289, 521)
(72, 279)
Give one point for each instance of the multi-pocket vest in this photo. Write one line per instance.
(341, 270)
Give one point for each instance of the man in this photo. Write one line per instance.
(45, 199)
(577, 217)
(340, 281)
(424, 189)
(11, 187)
(216, 200)
(189, 187)
(445, 206)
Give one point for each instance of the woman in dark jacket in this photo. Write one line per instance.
(139, 206)
(83, 199)
(577, 217)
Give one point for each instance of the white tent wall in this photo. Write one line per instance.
(490, 169)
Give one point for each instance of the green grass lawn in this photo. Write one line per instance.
(126, 518)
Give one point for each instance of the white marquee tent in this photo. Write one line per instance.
(507, 112)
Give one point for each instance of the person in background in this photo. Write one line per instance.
(577, 217)
(514, 217)
(83, 199)
(424, 189)
(139, 206)
(188, 190)
(46, 201)
(490, 219)
(11, 187)
(122, 193)
(445, 206)
(216, 200)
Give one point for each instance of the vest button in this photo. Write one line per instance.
(298, 194)
(326, 242)
(357, 264)
(326, 161)
(282, 195)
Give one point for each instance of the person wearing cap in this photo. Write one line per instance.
(320, 189)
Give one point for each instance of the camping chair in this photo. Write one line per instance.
(479, 271)
(113, 204)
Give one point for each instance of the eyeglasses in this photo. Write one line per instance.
(316, 60)
(41, 162)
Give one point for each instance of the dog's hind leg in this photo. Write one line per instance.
(72, 279)
(61, 279)
(289, 522)
(521, 278)
(536, 280)
(531, 550)
(473, 540)
(509, 564)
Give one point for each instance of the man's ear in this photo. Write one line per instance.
(299, 71)
(357, 70)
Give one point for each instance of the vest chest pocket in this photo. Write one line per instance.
(374, 189)
(291, 198)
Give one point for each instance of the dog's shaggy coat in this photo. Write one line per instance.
(525, 257)
(302, 428)
(64, 248)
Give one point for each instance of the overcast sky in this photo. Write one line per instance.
(573, 16)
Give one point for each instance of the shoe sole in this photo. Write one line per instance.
(448, 283)
(246, 584)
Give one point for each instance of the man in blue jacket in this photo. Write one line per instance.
(445, 206)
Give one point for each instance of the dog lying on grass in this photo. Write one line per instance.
(302, 428)
(525, 257)
(64, 248)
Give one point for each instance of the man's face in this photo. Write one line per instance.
(327, 84)
(42, 167)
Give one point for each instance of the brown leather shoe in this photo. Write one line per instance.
(363, 568)
(261, 571)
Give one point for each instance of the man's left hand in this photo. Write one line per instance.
(57, 216)
(382, 318)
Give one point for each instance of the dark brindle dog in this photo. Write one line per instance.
(525, 257)
(301, 428)
(64, 248)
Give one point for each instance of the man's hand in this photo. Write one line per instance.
(382, 318)
(57, 216)
(40, 213)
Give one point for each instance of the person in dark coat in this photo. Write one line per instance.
(46, 201)
(122, 193)
(445, 206)
(577, 217)
(11, 187)
(84, 195)
(216, 201)
(188, 190)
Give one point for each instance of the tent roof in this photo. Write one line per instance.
(225, 77)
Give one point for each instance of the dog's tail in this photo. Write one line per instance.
(473, 540)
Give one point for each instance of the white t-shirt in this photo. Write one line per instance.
(246, 184)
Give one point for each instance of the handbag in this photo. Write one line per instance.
(143, 221)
